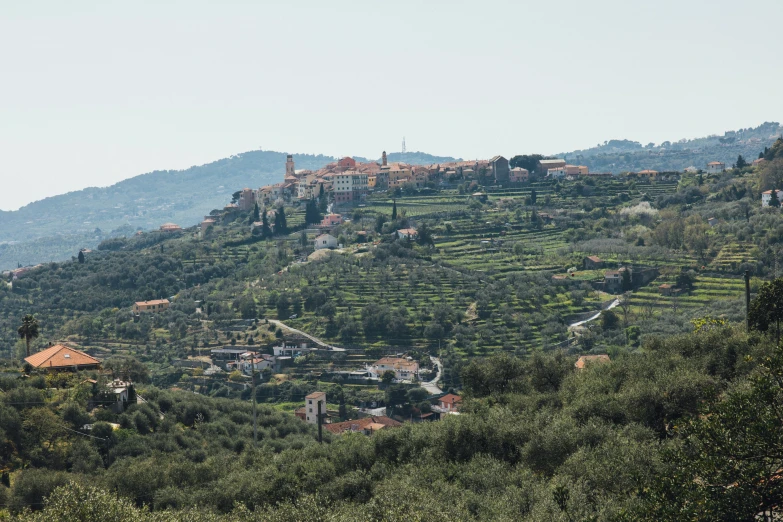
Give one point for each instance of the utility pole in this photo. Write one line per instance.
(320, 422)
(747, 300)
(253, 388)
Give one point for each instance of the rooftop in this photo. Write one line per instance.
(61, 356)
(585, 359)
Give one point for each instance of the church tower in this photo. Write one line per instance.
(383, 159)
(289, 166)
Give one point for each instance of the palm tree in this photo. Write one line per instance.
(28, 330)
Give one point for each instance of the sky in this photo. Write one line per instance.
(93, 92)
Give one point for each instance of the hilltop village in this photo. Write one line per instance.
(386, 316)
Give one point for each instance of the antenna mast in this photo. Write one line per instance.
(403, 145)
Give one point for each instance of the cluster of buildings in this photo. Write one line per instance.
(316, 402)
(349, 181)
(244, 360)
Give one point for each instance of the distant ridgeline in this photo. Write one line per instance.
(56, 228)
(618, 156)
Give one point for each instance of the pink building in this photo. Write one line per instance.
(332, 220)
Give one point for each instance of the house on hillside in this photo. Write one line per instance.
(546, 164)
(450, 402)
(403, 369)
(332, 220)
(407, 233)
(325, 241)
(716, 167)
(757, 162)
(367, 425)
(613, 280)
(499, 168)
(225, 357)
(647, 173)
(61, 357)
(247, 200)
(556, 173)
(291, 350)
(518, 175)
(170, 227)
(156, 306)
(585, 360)
(592, 263)
(311, 404)
(256, 363)
(767, 196)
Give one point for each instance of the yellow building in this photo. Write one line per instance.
(159, 305)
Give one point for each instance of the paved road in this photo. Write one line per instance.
(300, 332)
(432, 386)
(614, 303)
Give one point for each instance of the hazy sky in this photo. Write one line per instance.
(95, 92)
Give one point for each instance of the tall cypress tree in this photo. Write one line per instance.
(265, 230)
(283, 224)
(394, 210)
(256, 215)
(773, 199)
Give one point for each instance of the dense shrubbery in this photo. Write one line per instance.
(537, 440)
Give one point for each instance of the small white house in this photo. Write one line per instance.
(325, 241)
(258, 363)
(556, 173)
(407, 233)
(311, 406)
(716, 167)
(766, 196)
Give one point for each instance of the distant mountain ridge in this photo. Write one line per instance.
(55, 228)
(621, 155)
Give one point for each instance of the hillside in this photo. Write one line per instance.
(622, 155)
(493, 288)
(55, 228)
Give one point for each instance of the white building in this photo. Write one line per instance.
(716, 167)
(404, 369)
(325, 241)
(556, 173)
(291, 350)
(766, 196)
(259, 363)
(311, 406)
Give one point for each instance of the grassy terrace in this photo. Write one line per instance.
(482, 247)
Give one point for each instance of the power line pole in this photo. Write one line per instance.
(747, 300)
(253, 388)
(320, 422)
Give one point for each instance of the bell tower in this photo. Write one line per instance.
(289, 166)
(383, 159)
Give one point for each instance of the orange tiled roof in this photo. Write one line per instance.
(584, 359)
(451, 399)
(361, 424)
(60, 356)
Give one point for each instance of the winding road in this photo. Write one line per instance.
(316, 340)
(432, 386)
(596, 316)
